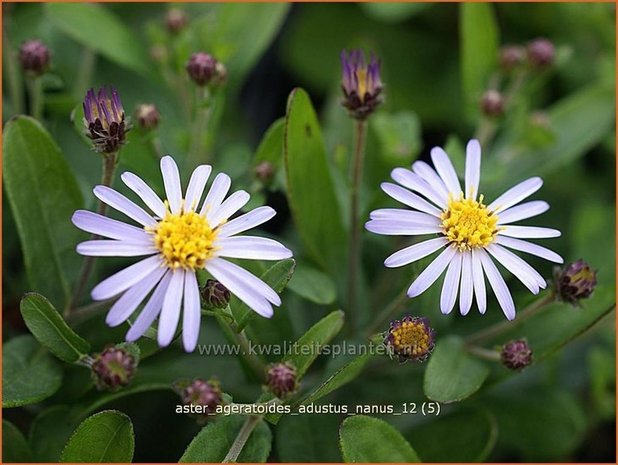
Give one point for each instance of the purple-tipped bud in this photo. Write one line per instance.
(147, 116)
(281, 379)
(215, 294)
(34, 57)
(516, 355)
(410, 338)
(541, 53)
(104, 119)
(575, 281)
(512, 56)
(113, 368)
(264, 171)
(176, 20)
(204, 69)
(361, 83)
(492, 103)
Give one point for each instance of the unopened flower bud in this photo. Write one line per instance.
(361, 84)
(281, 379)
(147, 116)
(264, 171)
(516, 355)
(206, 395)
(215, 294)
(492, 103)
(176, 20)
(204, 69)
(410, 338)
(113, 368)
(541, 53)
(511, 56)
(575, 281)
(104, 120)
(34, 57)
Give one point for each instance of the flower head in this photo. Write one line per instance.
(361, 83)
(113, 368)
(541, 53)
(215, 294)
(179, 237)
(204, 69)
(470, 232)
(34, 57)
(281, 379)
(410, 338)
(147, 116)
(104, 119)
(516, 355)
(200, 392)
(575, 281)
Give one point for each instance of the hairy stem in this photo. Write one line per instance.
(241, 439)
(482, 353)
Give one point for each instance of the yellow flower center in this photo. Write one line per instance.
(411, 338)
(468, 223)
(361, 76)
(185, 240)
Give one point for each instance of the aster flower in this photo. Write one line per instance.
(361, 83)
(179, 238)
(410, 338)
(104, 119)
(469, 233)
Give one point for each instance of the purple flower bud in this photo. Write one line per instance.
(113, 368)
(104, 119)
(264, 171)
(575, 281)
(492, 103)
(511, 56)
(147, 116)
(34, 57)
(204, 69)
(281, 379)
(176, 20)
(410, 338)
(197, 392)
(215, 294)
(516, 355)
(541, 53)
(361, 83)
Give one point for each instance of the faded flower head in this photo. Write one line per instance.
(512, 56)
(541, 53)
(104, 119)
(361, 83)
(516, 355)
(492, 103)
(215, 294)
(176, 20)
(113, 368)
(410, 338)
(34, 57)
(204, 69)
(281, 379)
(575, 281)
(147, 116)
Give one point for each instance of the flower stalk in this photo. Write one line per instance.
(35, 90)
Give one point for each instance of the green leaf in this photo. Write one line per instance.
(43, 195)
(479, 50)
(311, 193)
(46, 324)
(94, 26)
(50, 431)
(271, 145)
(452, 374)
(313, 285)
(104, 437)
(15, 448)
(368, 439)
(213, 442)
(307, 348)
(471, 436)
(399, 135)
(308, 438)
(29, 374)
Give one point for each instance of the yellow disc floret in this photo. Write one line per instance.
(185, 240)
(468, 223)
(411, 339)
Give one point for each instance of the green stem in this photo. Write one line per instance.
(156, 146)
(84, 72)
(12, 72)
(387, 313)
(35, 90)
(200, 124)
(484, 354)
(241, 439)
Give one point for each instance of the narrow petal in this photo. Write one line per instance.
(417, 218)
(231, 205)
(414, 182)
(466, 284)
(216, 194)
(473, 169)
(516, 194)
(399, 228)
(528, 247)
(170, 312)
(108, 248)
(445, 169)
(523, 211)
(478, 278)
(415, 252)
(518, 267)
(431, 177)
(451, 285)
(195, 189)
(250, 247)
(498, 285)
(144, 191)
(150, 311)
(432, 272)
(191, 313)
(171, 182)
(124, 279)
(119, 202)
(410, 199)
(528, 232)
(247, 221)
(98, 224)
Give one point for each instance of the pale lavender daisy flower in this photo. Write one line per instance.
(469, 233)
(179, 237)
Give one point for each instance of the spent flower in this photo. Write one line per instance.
(215, 295)
(575, 281)
(410, 338)
(361, 83)
(104, 119)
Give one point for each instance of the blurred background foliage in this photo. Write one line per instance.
(437, 61)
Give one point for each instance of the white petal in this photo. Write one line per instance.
(126, 278)
(195, 189)
(403, 228)
(414, 182)
(171, 181)
(432, 272)
(528, 247)
(415, 252)
(119, 202)
(467, 279)
(247, 221)
(498, 285)
(417, 218)
(431, 177)
(97, 224)
(191, 313)
(479, 282)
(451, 285)
(124, 307)
(150, 311)
(520, 269)
(107, 248)
(144, 191)
(231, 205)
(410, 199)
(528, 232)
(473, 169)
(250, 247)
(170, 312)
(523, 211)
(216, 194)
(445, 169)
(516, 194)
